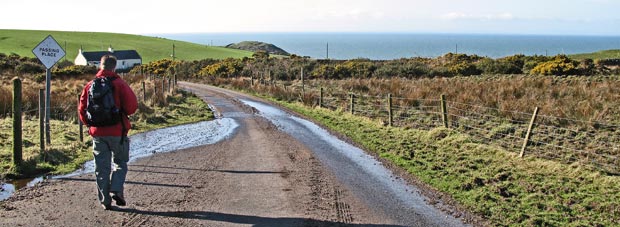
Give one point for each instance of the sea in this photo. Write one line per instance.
(387, 46)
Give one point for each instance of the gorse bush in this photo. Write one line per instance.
(559, 65)
(448, 65)
(227, 68)
(160, 67)
(74, 70)
(29, 67)
(500, 66)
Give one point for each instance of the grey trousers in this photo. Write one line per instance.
(107, 149)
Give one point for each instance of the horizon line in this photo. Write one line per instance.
(379, 33)
(332, 32)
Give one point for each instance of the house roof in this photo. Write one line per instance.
(119, 54)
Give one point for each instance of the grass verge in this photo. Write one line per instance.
(67, 153)
(496, 185)
(603, 54)
(150, 49)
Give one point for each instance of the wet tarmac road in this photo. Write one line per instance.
(366, 177)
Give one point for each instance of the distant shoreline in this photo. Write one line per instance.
(387, 46)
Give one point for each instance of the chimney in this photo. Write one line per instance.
(110, 49)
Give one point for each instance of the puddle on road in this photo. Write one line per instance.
(152, 142)
(171, 139)
(6, 190)
(365, 176)
(297, 126)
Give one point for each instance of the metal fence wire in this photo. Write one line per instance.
(594, 144)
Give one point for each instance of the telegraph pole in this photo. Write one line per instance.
(327, 50)
(173, 56)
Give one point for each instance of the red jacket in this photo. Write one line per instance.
(124, 98)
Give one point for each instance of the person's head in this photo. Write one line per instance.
(108, 62)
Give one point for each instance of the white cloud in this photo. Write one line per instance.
(349, 14)
(164, 16)
(487, 17)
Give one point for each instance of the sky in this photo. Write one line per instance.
(544, 17)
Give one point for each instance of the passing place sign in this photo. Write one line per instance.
(48, 52)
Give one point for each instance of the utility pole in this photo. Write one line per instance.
(173, 56)
(457, 48)
(327, 50)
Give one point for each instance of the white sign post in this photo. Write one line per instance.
(48, 52)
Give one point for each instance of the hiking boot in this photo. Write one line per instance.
(119, 198)
(106, 206)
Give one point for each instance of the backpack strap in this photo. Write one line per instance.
(123, 128)
(122, 112)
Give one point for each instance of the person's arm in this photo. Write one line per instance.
(130, 101)
(83, 104)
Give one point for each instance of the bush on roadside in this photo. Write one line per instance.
(75, 70)
(30, 68)
(559, 65)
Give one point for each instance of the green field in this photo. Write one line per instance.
(22, 42)
(604, 54)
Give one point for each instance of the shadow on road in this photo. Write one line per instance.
(206, 170)
(246, 172)
(255, 221)
(129, 182)
(159, 172)
(168, 167)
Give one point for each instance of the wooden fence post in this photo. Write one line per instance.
(529, 132)
(41, 119)
(163, 87)
(390, 116)
(17, 122)
(321, 99)
(154, 91)
(80, 126)
(352, 103)
(143, 92)
(303, 86)
(444, 111)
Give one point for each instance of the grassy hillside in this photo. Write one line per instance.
(22, 42)
(604, 54)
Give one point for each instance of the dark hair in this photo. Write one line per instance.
(108, 62)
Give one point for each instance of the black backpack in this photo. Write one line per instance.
(101, 109)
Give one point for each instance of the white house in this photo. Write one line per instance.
(126, 59)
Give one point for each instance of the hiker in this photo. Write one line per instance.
(104, 109)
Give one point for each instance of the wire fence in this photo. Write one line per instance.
(570, 141)
(150, 90)
(593, 144)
